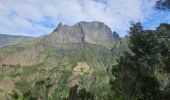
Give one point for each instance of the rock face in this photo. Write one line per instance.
(80, 36)
(90, 32)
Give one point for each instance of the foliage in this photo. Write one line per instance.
(135, 77)
(17, 96)
(163, 4)
(24, 87)
(82, 94)
(41, 89)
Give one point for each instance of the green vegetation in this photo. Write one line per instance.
(30, 81)
(136, 68)
(75, 94)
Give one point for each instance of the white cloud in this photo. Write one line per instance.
(26, 16)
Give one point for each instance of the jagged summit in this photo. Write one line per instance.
(90, 32)
(80, 36)
(58, 27)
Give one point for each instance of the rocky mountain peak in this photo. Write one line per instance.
(58, 27)
(90, 32)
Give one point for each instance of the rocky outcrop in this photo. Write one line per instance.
(90, 32)
(64, 37)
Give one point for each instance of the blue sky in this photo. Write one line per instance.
(155, 18)
(39, 17)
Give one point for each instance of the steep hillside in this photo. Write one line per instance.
(79, 54)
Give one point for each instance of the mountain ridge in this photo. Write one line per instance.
(65, 37)
(91, 32)
(6, 39)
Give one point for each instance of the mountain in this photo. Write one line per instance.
(12, 39)
(80, 54)
(65, 37)
(83, 32)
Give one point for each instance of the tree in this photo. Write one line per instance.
(41, 88)
(135, 77)
(163, 4)
(164, 34)
(82, 94)
(16, 96)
